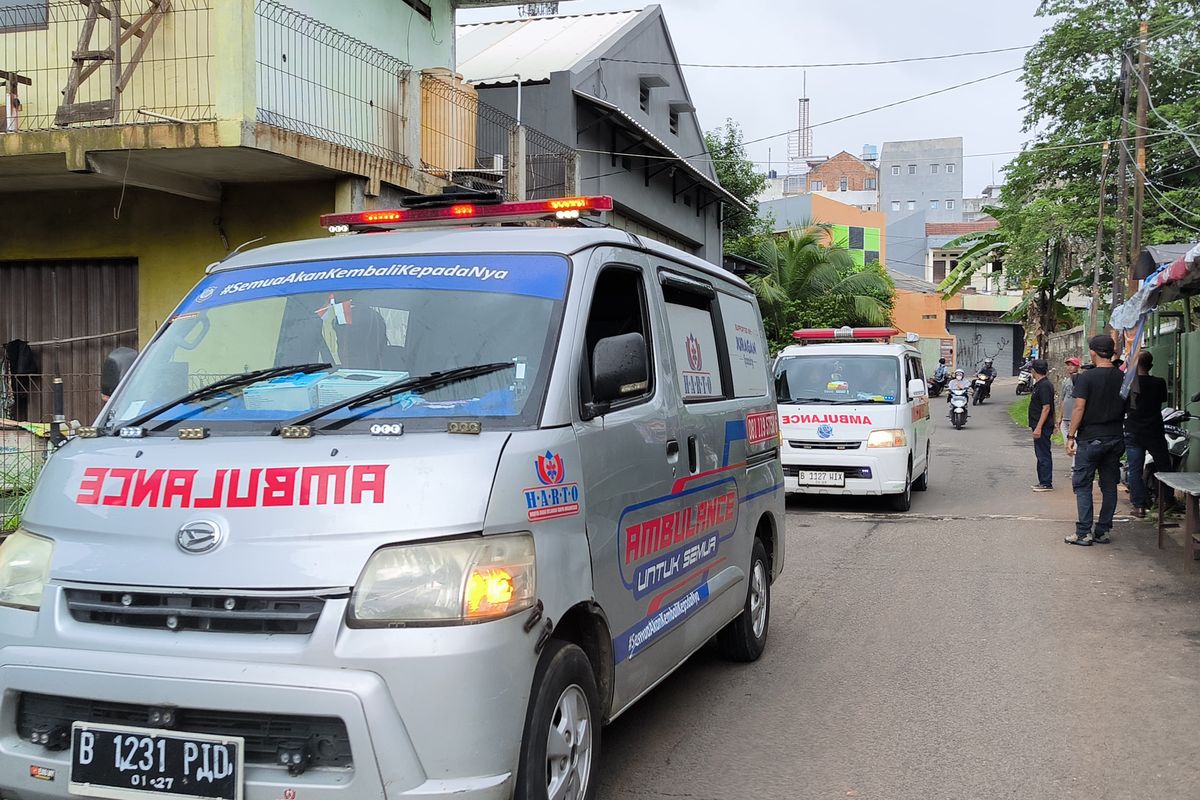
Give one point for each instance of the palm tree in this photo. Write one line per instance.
(803, 270)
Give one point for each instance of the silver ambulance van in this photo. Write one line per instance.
(401, 515)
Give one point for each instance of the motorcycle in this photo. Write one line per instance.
(958, 408)
(937, 384)
(981, 388)
(1178, 440)
(1025, 380)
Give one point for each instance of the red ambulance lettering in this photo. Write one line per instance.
(817, 419)
(644, 539)
(233, 488)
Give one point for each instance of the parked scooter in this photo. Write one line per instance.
(958, 408)
(1178, 440)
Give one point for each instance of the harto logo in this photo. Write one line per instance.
(550, 470)
(695, 359)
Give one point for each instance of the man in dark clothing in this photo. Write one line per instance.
(1144, 431)
(1041, 422)
(1096, 439)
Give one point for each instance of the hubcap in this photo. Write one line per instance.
(569, 746)
(758, 599)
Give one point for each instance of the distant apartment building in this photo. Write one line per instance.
(919, 182)
(922, 176)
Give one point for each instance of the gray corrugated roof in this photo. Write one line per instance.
(534, 47)
(910, 283)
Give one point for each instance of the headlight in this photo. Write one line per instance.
(24, 568)
(446, 583)
(892, 437)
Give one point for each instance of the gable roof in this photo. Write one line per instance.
(910, 283)
(536, 47)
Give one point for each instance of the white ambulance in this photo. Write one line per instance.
(854, 414)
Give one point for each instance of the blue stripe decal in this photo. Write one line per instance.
(735, 431)
(771, 490)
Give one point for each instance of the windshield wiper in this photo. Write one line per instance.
(799, 401)
(241, 379)
(418, 383)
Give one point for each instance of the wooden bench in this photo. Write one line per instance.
(1187, 488)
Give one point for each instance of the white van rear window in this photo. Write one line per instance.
(747, 351)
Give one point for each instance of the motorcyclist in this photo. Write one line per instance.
(988, 370)
(939, 374)
(958, 384)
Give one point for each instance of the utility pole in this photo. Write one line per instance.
(1120, 266)
(1139, 187)
(1094, 317)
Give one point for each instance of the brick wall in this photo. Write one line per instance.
(843, 165)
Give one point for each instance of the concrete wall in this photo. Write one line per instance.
(393, 26)
(172, 238)
(906, 243)
(923, 186)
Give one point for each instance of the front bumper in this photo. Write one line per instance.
(428, 712)
(868, 472)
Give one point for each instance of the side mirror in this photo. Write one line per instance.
(115, 366)
(1196, 397)
(917, 388)
(620, 368)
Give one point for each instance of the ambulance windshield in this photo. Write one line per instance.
(840, 379)
(374, 323)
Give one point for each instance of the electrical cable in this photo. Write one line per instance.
(821, 65)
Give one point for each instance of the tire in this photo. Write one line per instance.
(564, 707)
(977, 399)
(745, 638)
(922, 483)
(903, 502)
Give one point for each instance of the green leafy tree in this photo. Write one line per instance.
(810, 283)
(1051, 196)
(744, 231)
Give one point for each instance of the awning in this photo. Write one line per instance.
(626, 121)
(1179, 278)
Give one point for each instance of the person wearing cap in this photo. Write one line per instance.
(1041, 422)
(1066, 396)
(1096, 439)
(1144, 431)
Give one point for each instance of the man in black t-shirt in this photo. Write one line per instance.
(1096, 439)
(1041, 422)
(1144, 431)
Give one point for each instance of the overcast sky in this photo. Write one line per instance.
(987, 115)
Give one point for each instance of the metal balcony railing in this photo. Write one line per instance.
(315, 80)
(466, 141)
(57, 64)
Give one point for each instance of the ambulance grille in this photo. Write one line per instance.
(822, 444)
(222, 613)
(324, 738)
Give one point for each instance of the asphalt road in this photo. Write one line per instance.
(959, 651)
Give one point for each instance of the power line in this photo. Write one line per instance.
(822, 65)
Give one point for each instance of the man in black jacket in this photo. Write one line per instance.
(1144, 431)
(1096, 440)
(1041, 422)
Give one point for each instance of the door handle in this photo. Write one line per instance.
(693, 455)
(672, 451)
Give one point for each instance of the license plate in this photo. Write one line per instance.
(124, 763)
(808, 477)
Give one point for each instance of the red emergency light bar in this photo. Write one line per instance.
(845, 334)
(561, 208)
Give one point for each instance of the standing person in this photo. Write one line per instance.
(1041, 422)
(1066, 399)
(1096, 439)
(1144, 431)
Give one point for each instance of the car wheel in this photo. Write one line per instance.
(903, 501)
(922, 483)
(745, 638)
(561, 746)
